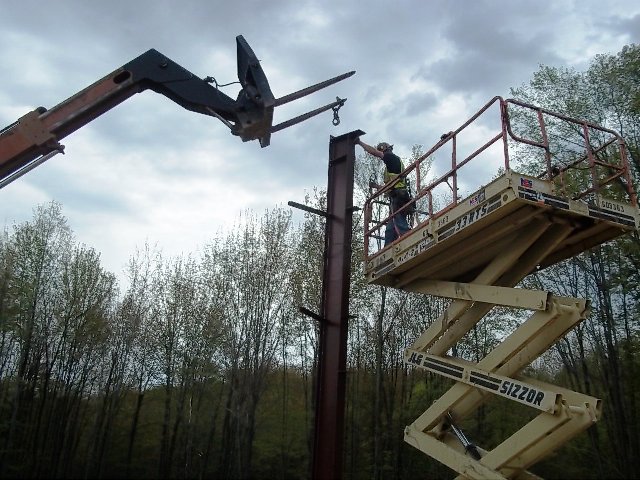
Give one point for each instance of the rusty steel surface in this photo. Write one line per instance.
(330, 386)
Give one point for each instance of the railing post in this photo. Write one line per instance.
(504, 115)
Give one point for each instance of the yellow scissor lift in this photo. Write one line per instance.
(475, 249)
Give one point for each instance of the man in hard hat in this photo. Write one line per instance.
(398, 195)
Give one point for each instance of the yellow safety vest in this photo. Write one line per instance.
(388, 176)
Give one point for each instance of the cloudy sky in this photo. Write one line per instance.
(150, 171)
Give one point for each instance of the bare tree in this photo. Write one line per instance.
(35, 248)
(253, 267)
(135, 313)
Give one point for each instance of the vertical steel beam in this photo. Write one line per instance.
(332, 359)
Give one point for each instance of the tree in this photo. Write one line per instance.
(35, 248)
(135, 312)
(253, 267)
(594, 353)
(306, 286)
(616, 85)
(60, 301)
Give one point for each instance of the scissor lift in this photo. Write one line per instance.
(475, 249)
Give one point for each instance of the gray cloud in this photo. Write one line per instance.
(151, 170)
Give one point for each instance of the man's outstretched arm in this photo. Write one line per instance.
(369, 149)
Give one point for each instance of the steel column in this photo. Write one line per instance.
(332, 359)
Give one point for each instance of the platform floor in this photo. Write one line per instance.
(458, 244)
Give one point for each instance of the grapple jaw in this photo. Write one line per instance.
(255, 103)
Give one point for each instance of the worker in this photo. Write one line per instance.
(398, 195)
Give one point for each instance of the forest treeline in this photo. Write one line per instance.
(203, 366)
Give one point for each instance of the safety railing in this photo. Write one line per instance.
(583, 160)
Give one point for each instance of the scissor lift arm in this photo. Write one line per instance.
(36, 136)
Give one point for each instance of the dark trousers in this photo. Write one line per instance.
(397, 225)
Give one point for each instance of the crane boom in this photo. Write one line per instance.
(36, 136)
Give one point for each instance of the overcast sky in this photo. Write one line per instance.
(150, 171)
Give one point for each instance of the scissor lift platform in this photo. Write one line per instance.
(459, 243)
(475, 250)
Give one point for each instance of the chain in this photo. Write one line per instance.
(336, 117)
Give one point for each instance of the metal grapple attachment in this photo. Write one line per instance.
(256, 103)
